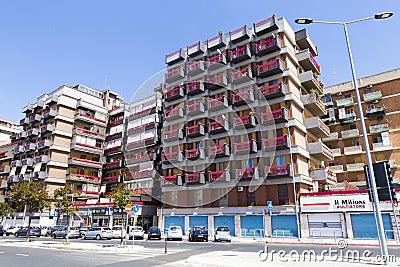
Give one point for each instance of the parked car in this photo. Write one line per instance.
(222, 233)
(34, 231)
(45, 230)
(198, 233)
(98, 233)
(12, 229)
(2, 231)
(136, 232)
(73, 232)
(154, 232)
(174, 232)
(117, 231)
(54, 228)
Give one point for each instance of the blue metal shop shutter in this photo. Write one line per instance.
(364, 225)
(198, 221)
(174, 220)
(284, 225)
(252, 225)
(225, 221)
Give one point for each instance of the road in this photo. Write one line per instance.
(153, 254)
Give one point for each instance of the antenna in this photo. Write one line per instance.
(334, 75)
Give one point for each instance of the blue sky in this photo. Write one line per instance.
(45, 44)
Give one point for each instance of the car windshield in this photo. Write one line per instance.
(137, 228)
(199, 228)
(154, 229)
(73, 228)
(117, 228)
(174, 228)
(223, 229)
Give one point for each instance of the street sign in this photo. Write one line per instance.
(128, 208)
(135, 208)
(269, 204)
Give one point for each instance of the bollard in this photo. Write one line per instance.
(165, 246)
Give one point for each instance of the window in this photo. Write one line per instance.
(250, 197)
(353, 126)
(380, 157)
(283, 194)
(355, 143)
(377, 139)
(280, 160)
(358, 160)
(370, 106)
(350, 111)
(327, 98)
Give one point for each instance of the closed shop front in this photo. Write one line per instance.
(325, 225)
(198, 221)
(284, 225)
(364, 225)
(252, 225)
(174, 220)
(225, 221)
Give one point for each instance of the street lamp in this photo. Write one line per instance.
(378, 216)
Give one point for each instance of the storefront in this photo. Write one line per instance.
(225, 221)
(284, 225)
(252, 225)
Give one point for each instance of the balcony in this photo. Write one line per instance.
(195, 68)
(274, 116)
(173, 135)
(242, 98)
(84, 132)
(27, 108)
(21, 135)
(139, 159)
(219, 176)
(140, 175)
(216, 61)
(382, 146)
(369, 97)
(345, 102)
(242, 122)
(350, 133)
(313, 103)
(175, 57)
(307, 61)
(336, 168)
(320, 151)
(219, 151)
(239, 35)
(196, 49)
(174, 74)
(30, 147)
(174, 94)
(268, 46)
(355, 167)
(328, 120)
(116, 122)
(195, 109)
(217, 82)
(86, 148)
(27, 162)
(172, 180)
(19, 149)
(265, 26)
(113, 165)
(246, 147)
(336, 152)
(273, 91)
(142, 113)
(219, 41)
(90, 119)
(195, 131)
(310, 81)
(392, 164)
(195, 88)
(141, 128)
(172, 157)
(317, 127)
(111, 179)
(84, 178)
(47, 128)
(246, 174)
(16, 163)
(379, 128)
(218, 103)
(348, 118)
(174, 114)
(216, 127)
(35, 118)
(32, 132)
(195, 178)
(240, 54)
(276, 143)
(270, 68)
(195, 154)
(4, 169)
(352, 150)
(24, 121)
(47, 113)
(42, 159)
(324, 176)
(332, 137)
(241, 76)
(376, 112)
(145, 142)
(304, 41)
(278, 171)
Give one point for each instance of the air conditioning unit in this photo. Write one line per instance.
(340, 93)
(375, 101)
(370, 86)
(240, 188)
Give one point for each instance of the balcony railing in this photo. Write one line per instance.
(240, 54)
(142, 174)
(368, 97)
(195, 109)
(21, 135)
(332, 136)
(216, 127)
(320, 151)
(336, 168)
(240, 34)
(5, 169)
(19, 149)
(355, 167)
(195, 88)
(29, 147)
(141, 128)
(27, 162)
(196, 49)
(241, 76)
(90, 119)
(173, 135)
(270, 68)
(175, 57)
(267, 46)
(172, 157)
(242, 98)
(376, 112)
(195, 131)
(35, 118)
(49, 113)
(219, 151)
(348, 118)
(149, 141)
(216, 61)
(382, 146)
(32, 132)
(314, 104)
(273, 91)
(218, 103)
(310, 81)
(307, 60)
(172, 180)
(336, 152)
(216, 42)
(265, 26)
(345, 102)
(216, 82)
(280, 142)
(279, 115)
(16, 163)
(139, 159)
(85, 162)
(379, 128)
(86, 148)
(246, 174)
(113, 165)
(350, 133)
(317, 127)
(174, 114)
(246, 147)
(174, 74)
(174, 93)
(116, 122)
(247, 121)
(195, 178)
(142, 113)
(324, 176)
(195, 68)
(194, 154)
(84, 178)
(84, 132)
(278, 171)
(219, 176)
(47, 128)
(352, 150)
(110, 179)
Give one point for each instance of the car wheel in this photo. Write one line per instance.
(7, 234)
(98, 237)
(15, 235)
(130, 238)
(54, 236)
(206, 240)
(229, 241)
(180, 239)
(83, 236)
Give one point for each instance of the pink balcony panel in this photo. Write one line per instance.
(218, 103)
(174, 74)
(217, 61)
(265, 26)
(195, 88)
(277, 116)
(270, 68)
(174, 93)
(215, 127)
(195, 109)
(219, 176)
(246, 147)
(195, 131)
(268, 46)
(247, 121)
(217, 82)
(280, 142)
(241, 98)
(195, 68)
(273, 91)
(278, 171)
(219, 151)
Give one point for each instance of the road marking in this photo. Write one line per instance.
(1, 252)
(23, 255)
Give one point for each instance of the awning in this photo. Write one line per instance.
(12, 172)
(91, 201)
(37, 167)
(23, 170)
(104, 200)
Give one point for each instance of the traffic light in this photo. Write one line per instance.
(383, 181)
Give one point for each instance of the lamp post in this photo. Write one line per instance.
(378, 215)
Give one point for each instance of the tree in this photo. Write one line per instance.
(30, 196)
(5, 209)
(120, 196)
(63, 201)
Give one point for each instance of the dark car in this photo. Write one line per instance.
(2, 231)
(34, 231)
(198, 233)
(154, 232)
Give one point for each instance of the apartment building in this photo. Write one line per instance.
(379, 95)
(242, 133)
(7, 129)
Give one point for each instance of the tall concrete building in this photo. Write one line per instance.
(242, 129)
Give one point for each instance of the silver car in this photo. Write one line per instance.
(73, 232)
(222, 233)
(98, 233)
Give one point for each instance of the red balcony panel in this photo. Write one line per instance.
(216, 127)
(170, 180)
(194, 154)
(174, 74)
(113, 150)
(267, 46)
(114, 136)
(220, 176)
(141, 128)
(240, 54)
(245, 174)
(273, 91)
(280, 142)
(171, 157)
(247, 121)
(265, 26)
(195, 130)
(219, 151)
(195, 88)
(110, 179)
(270, 68)
(195, 109)
(195, 68)
(241, 98)
(217, 82)
(173, 114)
(173, 135)
(278, 171)
(174, 93)
(218, 103)
(246, 147)
(112, 165)
(142, 113)
(195, 178)
(116, 122)
(216, 61)
(139, 159)
(241, 76)
(279, 115)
